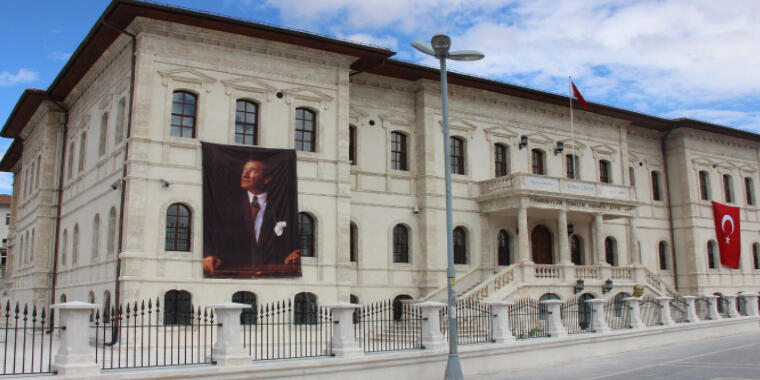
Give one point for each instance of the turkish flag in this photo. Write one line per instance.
(728, 231)
(577, 95)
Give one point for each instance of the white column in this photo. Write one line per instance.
(598, 237)
(691, 310)
(633, 242)
(712, 309)
(75, 357)
(229, 350)
(432, 338)
(598, 323)
(523, 233)
(502, 331)
(554, 318)
(665, 318)
(344, 342)
(635, 312)
(750, 304)
(732, 311)
(564, 246)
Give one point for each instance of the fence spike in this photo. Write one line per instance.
(150, 305)
(17, 309)
(34, 311)
(26, 310)
(158, 302)
(8, 307)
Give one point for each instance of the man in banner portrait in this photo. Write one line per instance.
(249, 212)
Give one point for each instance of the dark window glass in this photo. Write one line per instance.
(571, 166)
(704, 185)
(306, 229)
(354, 300)
(399, 306)
(632, 176)
(177, 309)
(749, 188)
(457, 155)
(354, 236)
(183, 114)
(537, 160)
(728, 188)
(756, 255)
(246, 122)
(352, 144)
(576, 250)
(504, 254)
(656, 193)
(460, 246)
(248, 316)
(584, 311)
(398, 151)
(619, 302)
(711, 262)
(663, 250)
(306, 130)
(500, 160)
(305, 309)
(178, 220)
(609, 251)
(542, 307)
(400, 244)
(604, 171)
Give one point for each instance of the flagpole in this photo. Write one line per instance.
(572, 129)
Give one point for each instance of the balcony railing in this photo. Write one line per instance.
(530, 182)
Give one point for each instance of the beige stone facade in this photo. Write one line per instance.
(82, 219)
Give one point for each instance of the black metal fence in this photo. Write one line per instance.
(650, 311)
(27, 336)
(474, 322)
(702, 306)
(143, 335)
(278, 330)
(576, 316)
(678, 310)
(617, 314)
(741, 305)
(723, 306)
(528, 319)
(388, 326)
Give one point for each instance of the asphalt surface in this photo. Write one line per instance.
(728, 358)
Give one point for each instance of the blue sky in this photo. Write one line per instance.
(669, 58)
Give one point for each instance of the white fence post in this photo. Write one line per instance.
(344, 342)
(635, 312)
(712, 308)
(750, 303)
(502, 331)
(732, 311)
(598, 323)
(75, 357)
(665, 318)
(229, 350)
(691, 310)
(554, 317)
(432, 338)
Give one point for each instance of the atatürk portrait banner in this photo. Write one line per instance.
(250, 209)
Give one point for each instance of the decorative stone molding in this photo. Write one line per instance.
(500, 133)
(542, 140)
(309, 94)
(459, 125)
(248, 84)
(603, 151)
(187, 75)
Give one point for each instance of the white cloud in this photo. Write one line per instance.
(21, 76)
(59, 56)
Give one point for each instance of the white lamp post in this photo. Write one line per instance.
(440, 49)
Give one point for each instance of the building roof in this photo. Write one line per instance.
(5, 199)
(120, 13)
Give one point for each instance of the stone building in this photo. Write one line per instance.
(103, 160)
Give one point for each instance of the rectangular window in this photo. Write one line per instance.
(457, 156)
(632, 176)
(398, 151)
(82, 151)
(704, 186)
(571, 166)
(352, 144)
(656, 189)
(500, 160)
(749, 187)
(7, 218)
(728, 188)
(604, 171)
(537, 159)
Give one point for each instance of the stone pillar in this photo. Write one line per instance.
(598, 237)
(432, 338)
(712, 308)
(665, 318)
(523, 234)
(691, 310)
(229, 350)
(633, 242)
(732, 311)
(635, 312)
(502, 331)
(343, 338)
(554, 318)
(598, 323)
(75, 357)
(564, 244)
(750, 304)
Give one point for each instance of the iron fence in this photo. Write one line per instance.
(702, 306)
(617, 314)
(576, 316)
(741, 305)
(678, 310)
(528, 319)
(650, 312)
(385, 326)
(723, 306)
(27, 339)
(278, 330)
(474, 322)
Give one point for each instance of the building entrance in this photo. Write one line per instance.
(541, 241)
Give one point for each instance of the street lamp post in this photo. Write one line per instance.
(440, 49)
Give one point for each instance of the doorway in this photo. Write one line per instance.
(541, 242)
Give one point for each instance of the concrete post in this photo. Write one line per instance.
(732, 311)
(229, 350)
(691, 310)
(598, 322)
(750, 304)
(74, 357)
(712, 308)
(343, 339)
(432, 338)
(665, 318)
(635, 312)
(502, 331)
(554, 318)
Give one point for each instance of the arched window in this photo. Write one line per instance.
(749, 189)
(537, 161)
(398, 306)
(37, 175)
(398, 151)
(662, 249)
(82, 151)
(712, 254)
(64, 245)
(457, 155)
(756, 255)
(95, 236)
(178, 219)
(305, 309)
(704, 185)
(75, 245)
(572, 166)
(91, 299)
(111, 238)
(605, 176)
(354, 242)
(352, 144)
(248, 316)
(103, 138)
(306, 234)
(106, 305)
(504, 253)
(21, 251)
(31, 249)
(63, 298)
(246, 122)
(184, 111)
(306, 130)
(728, 188)
(584, 311)
(354, 299)
(70, 169)
(721, 300)
(400, 244)
(460, 246)
(177, 309)
(656, 186)
(610, 251)
(501, 159)
(121, 117)
(619, 302)
(542, 307)
(632, 176)
(576, 249)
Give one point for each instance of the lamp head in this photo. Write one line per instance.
(441, 44)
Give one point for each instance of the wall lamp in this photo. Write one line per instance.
(607, 286)
(560, 147)
(579, 286)
(523, 141)
(570, 229)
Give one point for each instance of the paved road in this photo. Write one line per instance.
(728, 358)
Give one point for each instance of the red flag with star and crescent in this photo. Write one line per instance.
(728, 231)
